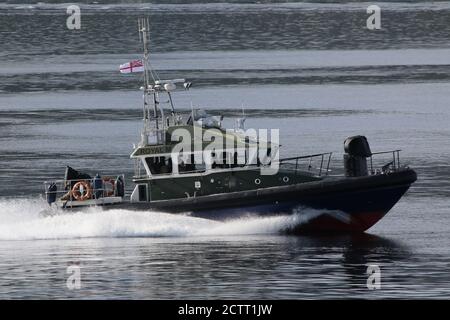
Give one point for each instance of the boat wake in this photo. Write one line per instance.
(21, 219)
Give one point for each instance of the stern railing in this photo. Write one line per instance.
(63, 189)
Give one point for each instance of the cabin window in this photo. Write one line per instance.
(142, 192)
(227, 160)
(190, 166)
(267, 157)
(234, 162)
(223, 161)
(159, 165)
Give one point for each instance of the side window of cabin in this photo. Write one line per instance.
(227, 160)
(159, 165)
(190, 166)
(223, 161)
(234, 162)
(237, 162)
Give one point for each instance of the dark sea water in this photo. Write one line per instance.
(311, 69)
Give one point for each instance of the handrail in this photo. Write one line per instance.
(310, 157)
(307, 156)
(389, 151)
(394, 165)
(65, 186)
(320, 169)
(78, 180)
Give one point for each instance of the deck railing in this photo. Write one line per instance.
(392, 165)
(64, 188)
(315, 164)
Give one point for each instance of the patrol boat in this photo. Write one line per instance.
(190, 164)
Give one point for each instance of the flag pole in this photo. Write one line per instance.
(144, 27)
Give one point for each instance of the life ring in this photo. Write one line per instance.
(112, 183)
(82, 191)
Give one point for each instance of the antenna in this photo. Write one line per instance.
(154, 87)
(144, 37)
(240, 122)
(139, 30)
(143, 28)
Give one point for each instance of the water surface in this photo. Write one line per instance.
(311, 69)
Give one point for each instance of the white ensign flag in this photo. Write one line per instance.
(132, 66)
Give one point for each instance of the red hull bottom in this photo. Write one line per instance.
(357, 222)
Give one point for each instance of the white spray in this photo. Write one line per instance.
(20, 220)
